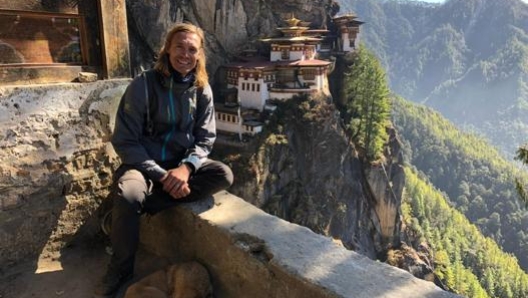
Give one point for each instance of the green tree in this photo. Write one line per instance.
(367, 102)
(522, 156)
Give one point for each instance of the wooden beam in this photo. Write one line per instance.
(114, 33)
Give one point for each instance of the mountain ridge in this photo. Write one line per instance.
(466, 59)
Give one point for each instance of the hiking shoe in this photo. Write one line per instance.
(110, 283)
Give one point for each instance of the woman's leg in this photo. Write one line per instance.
(131, 189)
(210, 178)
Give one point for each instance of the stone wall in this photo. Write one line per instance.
(250, 253)
(56, 163)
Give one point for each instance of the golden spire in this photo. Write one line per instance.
(293, 21)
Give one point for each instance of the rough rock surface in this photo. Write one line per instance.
(230, 26)
(56, 163)
(306, 171)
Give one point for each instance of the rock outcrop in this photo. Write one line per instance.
(230, 26)
(306, 171)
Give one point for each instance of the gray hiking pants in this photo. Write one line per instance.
(135, 194)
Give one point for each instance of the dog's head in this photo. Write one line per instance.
(190, 280)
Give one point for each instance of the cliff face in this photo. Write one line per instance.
(230, 26)
(304, 169)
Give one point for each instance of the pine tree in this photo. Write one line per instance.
(367, 102)
(522, 156)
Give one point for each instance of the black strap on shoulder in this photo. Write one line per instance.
(147, 101)
(149, 124)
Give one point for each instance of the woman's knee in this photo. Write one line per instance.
(228, 174)
(133, 186)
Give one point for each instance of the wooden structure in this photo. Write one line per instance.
(52, 41)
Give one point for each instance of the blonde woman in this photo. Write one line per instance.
(164, 132)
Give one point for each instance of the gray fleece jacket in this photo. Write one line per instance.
(182, 122)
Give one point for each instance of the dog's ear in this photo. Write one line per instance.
(172, 275)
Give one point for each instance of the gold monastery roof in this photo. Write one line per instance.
(293, 21)
(288, 39)
(262, 65)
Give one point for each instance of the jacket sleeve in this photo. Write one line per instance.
(129, 128)
(204, 130)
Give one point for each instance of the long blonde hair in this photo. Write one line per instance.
(162, 64)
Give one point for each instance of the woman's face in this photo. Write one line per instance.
(184, 52)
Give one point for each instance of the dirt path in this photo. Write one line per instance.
(71, 274)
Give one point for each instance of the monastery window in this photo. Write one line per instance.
(309, 74)
(243, 86)
(285, 54)
(252, 87)
(285, 76)
(258, 87)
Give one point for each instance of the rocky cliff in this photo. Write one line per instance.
(230, 26)
(304, 169)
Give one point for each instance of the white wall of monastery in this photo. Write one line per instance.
(275, 56)
(296, 55)
(252, 93)
(345, 42)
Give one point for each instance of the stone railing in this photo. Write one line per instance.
(250, 253)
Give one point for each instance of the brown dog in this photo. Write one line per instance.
(183, 280)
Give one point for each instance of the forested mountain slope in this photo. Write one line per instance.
(474, 176)
(467, 59)
(466, 262)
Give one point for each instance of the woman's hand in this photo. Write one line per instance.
(175, 182)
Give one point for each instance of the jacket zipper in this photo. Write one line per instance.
(172, 119)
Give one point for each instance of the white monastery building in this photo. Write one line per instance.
(299, 63)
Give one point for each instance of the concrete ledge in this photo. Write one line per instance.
(253, 254)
